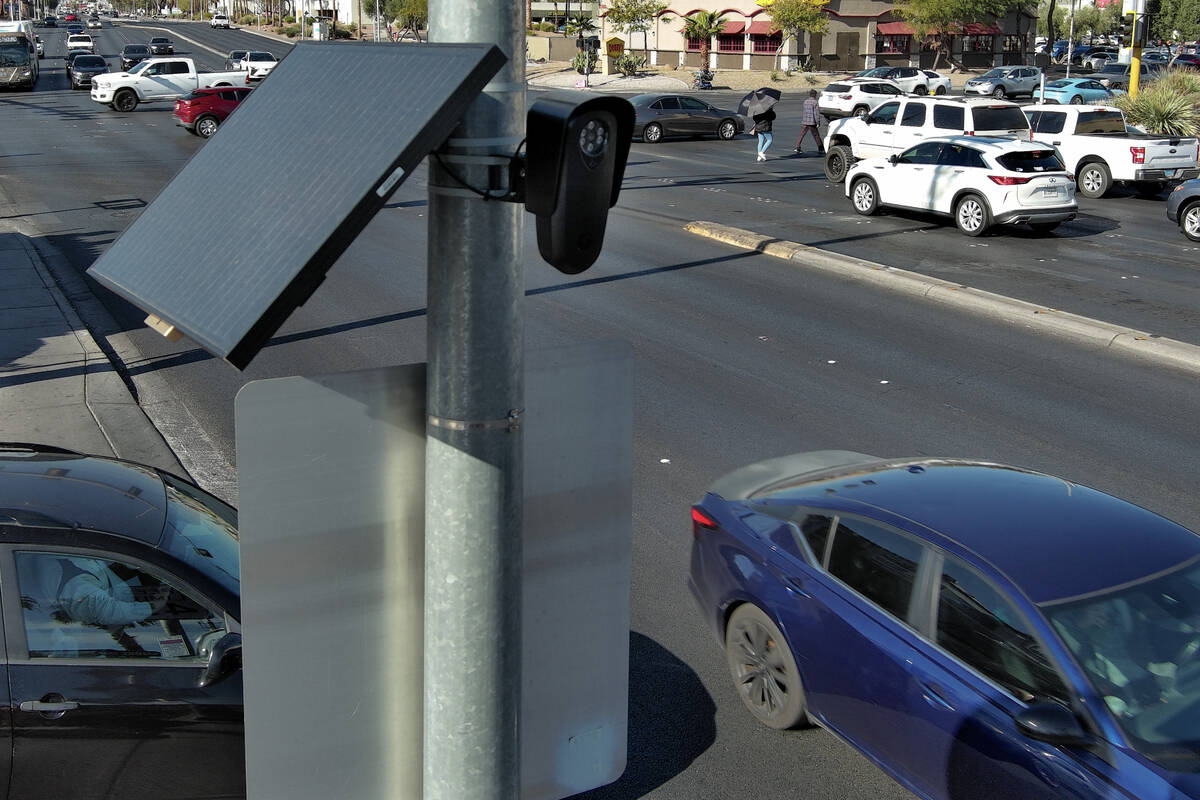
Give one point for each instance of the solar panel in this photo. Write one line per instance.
(248, 228)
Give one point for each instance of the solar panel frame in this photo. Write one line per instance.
(246, 231)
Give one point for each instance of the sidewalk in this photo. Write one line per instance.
(57, 386)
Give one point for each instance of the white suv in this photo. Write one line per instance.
(899, 124)
(856, 96)
(980, 181)
(80, 41)
(219, 21)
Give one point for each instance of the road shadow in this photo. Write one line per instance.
(671, 721)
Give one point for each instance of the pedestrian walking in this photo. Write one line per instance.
(762, 126)
(810, 119)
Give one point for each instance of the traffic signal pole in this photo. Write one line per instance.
(474, 402)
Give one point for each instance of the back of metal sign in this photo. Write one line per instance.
(247, 229)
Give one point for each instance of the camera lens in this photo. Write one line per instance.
(593, 139)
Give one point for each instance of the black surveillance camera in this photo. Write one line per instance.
(576, 146)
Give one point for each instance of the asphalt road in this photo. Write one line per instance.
(740, 356)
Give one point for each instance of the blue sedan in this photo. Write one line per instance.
(1075, 91)
(976, 630)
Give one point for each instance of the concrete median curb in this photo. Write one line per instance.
(1141, 344)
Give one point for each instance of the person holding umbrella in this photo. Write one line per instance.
(759, 106)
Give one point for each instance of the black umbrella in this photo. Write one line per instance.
(758, 101)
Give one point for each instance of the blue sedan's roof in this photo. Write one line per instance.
(70, 490)
(1053, 538)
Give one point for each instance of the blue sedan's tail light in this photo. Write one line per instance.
(700, 520)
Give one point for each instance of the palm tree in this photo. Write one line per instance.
(703, 25)
(581, 26)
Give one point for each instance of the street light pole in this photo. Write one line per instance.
(475, 400)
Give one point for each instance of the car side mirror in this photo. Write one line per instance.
(1051, 723)
(224, 659)
(893, 159)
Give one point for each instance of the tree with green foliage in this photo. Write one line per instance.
(794, 18)
(580, 26)
(936, 20)
(703, 25)
(1045, 28)
(635, 16)
(410, 15)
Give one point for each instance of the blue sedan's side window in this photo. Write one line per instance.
(980, 626)
(878, 563)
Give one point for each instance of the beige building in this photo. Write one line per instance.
(861, 34)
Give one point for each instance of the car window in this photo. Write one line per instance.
(177, 68)
(229, 97)
(1100, 122)
(914, 115)
(1048, 121)
(878, 563)
(924, 153)
(692, 104)
(999, 118)
(1032, 161)
(669, 104)
(948, 117)
(979, 625)
(836, 87)
(957, 155)
(886, 88)
(815, 529)
(885, 114)
(84, 606)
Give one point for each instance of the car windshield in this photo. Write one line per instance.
(138, 67)
(201, 531)
(1000, 118)
(1058, 84)
(1031, 161)
(878, 72)
(135, 50)
(833, 88)
(994, 73)
(1139, 646)
(13, 54)
(261, 57)
(89, 61)
(1113, 69)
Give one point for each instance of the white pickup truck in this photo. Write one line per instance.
(157, 79)
(1096, 146)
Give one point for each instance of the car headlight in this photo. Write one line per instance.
(25, 73)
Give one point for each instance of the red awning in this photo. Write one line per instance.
(734, 27)
(895, 29)
(981, 29)
(762, 26)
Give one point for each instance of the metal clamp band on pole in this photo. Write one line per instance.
(510, 423)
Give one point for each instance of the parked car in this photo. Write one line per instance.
(234, 59)
(258, 64)
(1075, 91)
(219, 21)
(975, 629)
(910, 79)
(1186, 61)
(132, 54)
(81, 41)
(937, 82)
(898, 124)
(1005, 82)
(104, 689)
(1097, 57)
(1116, 76)
(203, 111)
(978, 181)
(161, 46)
(1183, 206)
(84, 68)
(855, 97)
(663, 115)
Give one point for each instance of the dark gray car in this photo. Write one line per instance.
(132, 54)
(84, 68)
(1183, 206)
(661, 115)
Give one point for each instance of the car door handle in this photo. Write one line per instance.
(933, 696)
(38, 705)
(957, 171)
(795, 587)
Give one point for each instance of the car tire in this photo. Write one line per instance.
(652, 133)
(1044, 227)
(921, 90)
(860, 111)
(206, 126)
(999, 93)
(1093, 180)
(764, 670)
(1077, 100)
(837, 163)
(125, 100)
(940, 90)
(864, 196)
(971, 215)
(727, 129)
(1189, 220)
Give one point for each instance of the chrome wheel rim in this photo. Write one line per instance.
(1191, 222)
(726, 130)
(970, 215)
(864, 198)
(653, 133)
(762, 674)
(1092, 181)
(206, 127)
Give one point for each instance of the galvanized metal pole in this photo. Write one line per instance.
(474, 448)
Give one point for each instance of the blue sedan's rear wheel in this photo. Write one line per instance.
(764, 669)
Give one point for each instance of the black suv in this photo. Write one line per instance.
(132, 54)
(161, 46)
